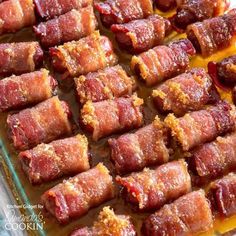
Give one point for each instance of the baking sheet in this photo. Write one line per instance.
(28, 196)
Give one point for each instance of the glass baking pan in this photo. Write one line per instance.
(27, 197)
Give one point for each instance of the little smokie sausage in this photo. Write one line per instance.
(13, 54)
(188, 215)
(62, 157)
(72, 25)
(122, 11)
(89, 54)
(26, 89)
(74, 197)
(112, 116)
(44, 122)
(163, 62)
(151, 189)
(108, 224)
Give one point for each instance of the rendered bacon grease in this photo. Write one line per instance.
(13, 54)
(74, 197)
(45, 122)
(146, 147)
(47, 162)
(112, 116)
(108, 224)
(26, 89)
(151, 189)
(123, 11)
(72, 25)
(187, 215)
(89, 54)
(15, 15)
(163, 62)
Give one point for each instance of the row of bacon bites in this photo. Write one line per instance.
(198, 121)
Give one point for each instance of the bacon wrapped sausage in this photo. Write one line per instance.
(140, 35)
(202, 126)
(40, 124)
(112, 116)
(191, 11)
(48, 9)
(165, 5)
(122, 11)
(187, 92)
(26, 89)
(222, 194)
(15, 15)
(74, 197)
(187, 215)
(71, 26)
(151, 189)
(108, 224)
(216, 158)
(226, 70)
(89, 54)
(145, 147)
(163, 62)
(112, 82)
(19, 58)
(213, 34)
(47, 162)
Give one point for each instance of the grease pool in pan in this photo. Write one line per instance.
(99, 150)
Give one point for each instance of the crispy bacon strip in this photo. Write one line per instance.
(13, 54)
(145, 147)
(216, 158)
(140, 35)
(163, 62)
(108, 224)
(89, 54)
(191, 11)
(47, 162)
(111, 82)
(15, 15)
(202, 126)
(213, 34)
(189, 91)
(74, 197)
(112, 116)
(222, 194)
(43, 123)
(73, 25)
(188, 215)
(26, 89)
(122, 11)
(151, 189)
(48, 9)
